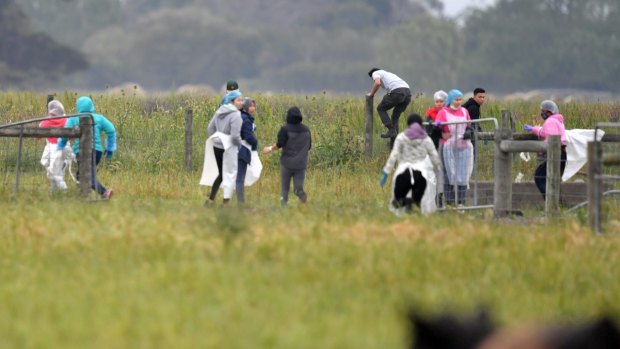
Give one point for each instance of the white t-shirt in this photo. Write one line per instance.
(389, 81)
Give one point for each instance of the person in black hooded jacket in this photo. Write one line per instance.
(295, 140)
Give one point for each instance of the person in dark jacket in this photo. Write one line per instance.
(473, 105)
(248, 143)
(295, 140)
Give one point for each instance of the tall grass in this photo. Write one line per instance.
(153, 268)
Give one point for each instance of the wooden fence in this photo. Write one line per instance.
(84, 133)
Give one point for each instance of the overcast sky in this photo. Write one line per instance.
(454, 7)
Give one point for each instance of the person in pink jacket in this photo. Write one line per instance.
(457, 152)
(553, 125)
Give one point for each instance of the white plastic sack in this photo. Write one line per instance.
(577, 150)
(210, 172)
(428, 204)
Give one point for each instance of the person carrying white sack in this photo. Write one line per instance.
(55, 161)
(221, 149)
(414, 181)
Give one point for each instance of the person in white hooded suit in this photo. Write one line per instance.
(224, 131)
(55, 161)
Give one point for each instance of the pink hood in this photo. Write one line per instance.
(553, 126)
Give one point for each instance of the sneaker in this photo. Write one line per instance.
(108, 194)
(209, 203)
(391, 133)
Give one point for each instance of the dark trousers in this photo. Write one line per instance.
(398, 99)
(219, 156)
(96, 185)
(540, 176)
(298, 177)
(402, 186)
(242, 168)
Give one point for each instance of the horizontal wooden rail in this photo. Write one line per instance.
(522, 146)
(38, 132)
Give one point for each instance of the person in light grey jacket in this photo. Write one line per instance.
(227, 120)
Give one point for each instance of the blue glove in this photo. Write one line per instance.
(437, 123)
(108, 154)
(527, 127)
(383, 178)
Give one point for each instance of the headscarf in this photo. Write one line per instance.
(440, 95)
(230, 96)
(550, 106)
(452, 95)
(247, 102)
(55, 108)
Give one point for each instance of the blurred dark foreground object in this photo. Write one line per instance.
(448, 331)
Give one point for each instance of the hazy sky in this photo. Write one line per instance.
(454, 7)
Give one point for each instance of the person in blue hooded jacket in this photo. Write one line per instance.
(85, 106)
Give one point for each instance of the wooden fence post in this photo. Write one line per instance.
(368, 132)
(189, 120)
(86, 166)
(595, 152)
(502, 198)
(49, 99)
(554, 179)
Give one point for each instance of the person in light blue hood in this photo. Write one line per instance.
(85, 106)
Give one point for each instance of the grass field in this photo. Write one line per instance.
(152, 268)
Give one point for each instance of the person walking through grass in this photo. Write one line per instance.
(249, 144)
(295, 140)
(101, 124)
(55, 161)
(221, 148)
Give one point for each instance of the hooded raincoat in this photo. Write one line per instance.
(414, 151)
(102, 124)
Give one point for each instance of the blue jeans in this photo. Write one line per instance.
(242, 168)
(96, 185)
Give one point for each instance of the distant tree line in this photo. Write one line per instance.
(293, 46)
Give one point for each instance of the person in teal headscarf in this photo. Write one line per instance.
(457, 150)
(101, 124)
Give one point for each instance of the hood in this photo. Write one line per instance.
(293, 116)
(85, 105)
(224, 110)
(558, 117)
(55, 108)
(415, 131)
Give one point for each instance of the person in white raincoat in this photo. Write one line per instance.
(55, 161)
(414, 181)
(221, 148)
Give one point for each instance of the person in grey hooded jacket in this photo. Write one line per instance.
(295, 140)
(227, 120)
